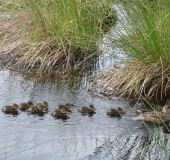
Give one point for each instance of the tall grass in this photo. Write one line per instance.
(74, 27)
(147, 33)
(61, 33)
(145, 39)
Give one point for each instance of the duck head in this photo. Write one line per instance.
(30, 103)
(40, 107)
(45, 104)
(68, 105)
(90, 107)
(15, 106)
(120, 110)
(166, 109)
(64, 110)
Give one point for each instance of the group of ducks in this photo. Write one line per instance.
(27, 106)
(61, 110)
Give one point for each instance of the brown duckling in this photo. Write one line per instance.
(8, 109)
(44, 104)
(115, 112)
(36, 109)
(66, 106)
(25, 106)
(89, 109)
(60, 112)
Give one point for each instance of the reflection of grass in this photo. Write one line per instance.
(60, 33)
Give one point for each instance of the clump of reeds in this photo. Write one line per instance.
(145, 39)
(63, 33)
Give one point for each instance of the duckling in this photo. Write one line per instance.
(60, 112)
(10, 109)
(67, 106)
(36, 109)
(25, 106)
(89, 109)
(115, 112)
(44, 104)
(155, 116)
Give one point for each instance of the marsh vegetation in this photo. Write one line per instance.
(145, 40)
(46, 36)
(58, 36)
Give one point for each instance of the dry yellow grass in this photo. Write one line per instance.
(135, 80)
(16, 33)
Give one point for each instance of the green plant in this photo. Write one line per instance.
(144, 37)
(73, 28)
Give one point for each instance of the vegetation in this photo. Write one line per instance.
(145, 39)
(58, 34)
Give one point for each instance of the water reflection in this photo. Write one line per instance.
(44, 137)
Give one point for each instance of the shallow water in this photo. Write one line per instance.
(33, 137)
(78, 137)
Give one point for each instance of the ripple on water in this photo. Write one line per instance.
(44, 137)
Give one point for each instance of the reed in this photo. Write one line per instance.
(145, 40)
(61, 33)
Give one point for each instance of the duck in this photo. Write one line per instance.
(66, 106)
(24, 106)
(88, 109)
(44, 104)
(9, 109)
(115, 112)
(60, 112)
(155, 116)
(36, 109)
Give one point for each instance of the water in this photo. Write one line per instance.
(78, 137)
(33, 137)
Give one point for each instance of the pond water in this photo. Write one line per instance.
(33, 137)
(78, 137)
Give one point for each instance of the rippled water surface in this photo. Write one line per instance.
(44, 137)
(33, 137)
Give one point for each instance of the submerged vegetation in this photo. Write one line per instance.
(52, 35)
(145, 39)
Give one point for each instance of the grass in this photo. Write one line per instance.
(59, 34)
(145, 39)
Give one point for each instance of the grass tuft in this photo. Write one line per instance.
(61, 33)
(145, 39)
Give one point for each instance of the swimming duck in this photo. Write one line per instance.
(115, 112)
(89, 109)
(44, 104)
(8, 109)
(67, 106)
(36, 109)
(155, 116)
(25, 106)
(59, 112)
